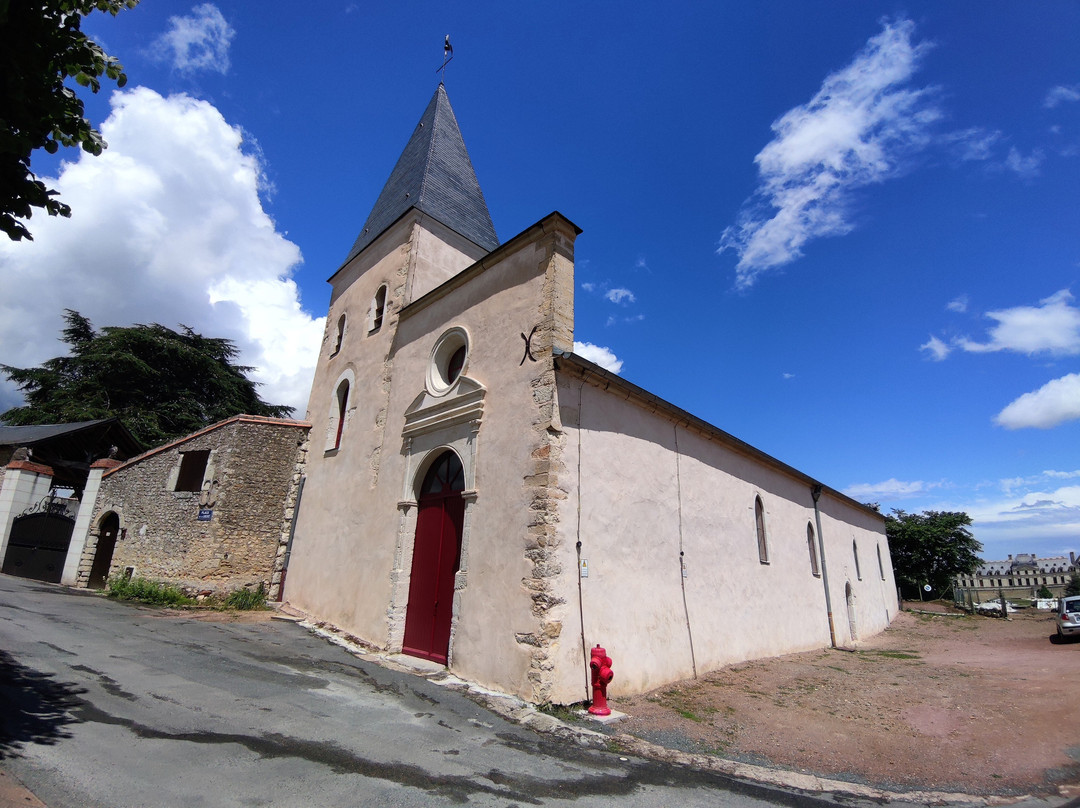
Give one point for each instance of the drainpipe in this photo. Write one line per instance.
(815, 492)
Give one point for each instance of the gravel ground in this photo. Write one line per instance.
(956, 703)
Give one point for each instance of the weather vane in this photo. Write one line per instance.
(447, 56)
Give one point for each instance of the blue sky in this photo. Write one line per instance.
(846, 232)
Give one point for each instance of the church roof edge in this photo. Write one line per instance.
(604, 378)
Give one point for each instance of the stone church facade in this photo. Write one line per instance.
(478, 495)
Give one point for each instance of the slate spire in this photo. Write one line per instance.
(434, 175)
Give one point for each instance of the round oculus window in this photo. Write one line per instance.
(448, 360)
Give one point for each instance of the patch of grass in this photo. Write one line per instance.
(683, 704)
(564, 712)
(144, 591)
(247, 599)
(894, 654)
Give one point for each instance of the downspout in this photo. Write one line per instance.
(580, 599)
(682, 556)
(815, 492)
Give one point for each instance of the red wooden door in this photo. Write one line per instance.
(436, 553)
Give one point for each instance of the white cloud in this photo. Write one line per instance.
(598, 355)
(1046, 516)
(888, 489)
(787, 375)
(959, 304)
(1054, 403)
(937, 349)
(1051, 327)
(199, 41)
(1060, 95)
(975, 143)
(1025, 167)
(1011, 484)
(852, 133)
(167, 226)
(620, 296)
(588, 287)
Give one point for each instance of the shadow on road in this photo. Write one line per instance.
(34, 708)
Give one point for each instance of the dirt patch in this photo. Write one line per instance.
(213, 615)
(972, 704)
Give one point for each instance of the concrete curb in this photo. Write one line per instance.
(525, 714)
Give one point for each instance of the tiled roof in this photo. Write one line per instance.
(434, 175)
(29, 435)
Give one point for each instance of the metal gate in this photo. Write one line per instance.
(39, 540)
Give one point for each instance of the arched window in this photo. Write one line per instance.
(881, 566)
(378, 308)
(340, 334)
(338, 414)
(444, 477)
(811, 547)
(759, 521)
(855, 552)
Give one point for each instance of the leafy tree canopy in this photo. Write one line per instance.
(163, 384)
(931, 547)
(1073, 586)
(41, 47)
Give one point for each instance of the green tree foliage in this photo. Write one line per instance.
(163, 384)
(930, 548)
(41, 48)
(1073, 586)
(1044, 592)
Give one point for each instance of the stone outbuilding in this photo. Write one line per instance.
(210, 512)
(480, 496)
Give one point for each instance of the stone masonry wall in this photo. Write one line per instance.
(250, 485)
(554, 334)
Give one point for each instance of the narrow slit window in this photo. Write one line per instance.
(855, 552)
(880, 564)
(811, 547)
(340, 334)
(342, 409)
(378, 308)
(759, 521)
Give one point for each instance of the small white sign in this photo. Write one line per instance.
(927, 587)
(584, 568)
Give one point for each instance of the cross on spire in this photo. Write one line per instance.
(447, 55)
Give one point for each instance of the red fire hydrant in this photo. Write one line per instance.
(601, 677)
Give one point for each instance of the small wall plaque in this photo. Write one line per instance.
(206, 514)
(584, 568)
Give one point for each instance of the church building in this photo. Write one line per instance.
(480, 496)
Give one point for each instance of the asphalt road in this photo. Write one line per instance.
(112, 705)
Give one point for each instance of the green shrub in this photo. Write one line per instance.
(145, 591)
(247, 599)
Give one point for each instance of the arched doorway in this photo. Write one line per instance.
(108, 530)
(436, 554)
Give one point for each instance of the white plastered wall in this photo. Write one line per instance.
(642, 503)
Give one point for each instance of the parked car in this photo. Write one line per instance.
(1068, 616)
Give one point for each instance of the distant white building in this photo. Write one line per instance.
(1022, 575)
